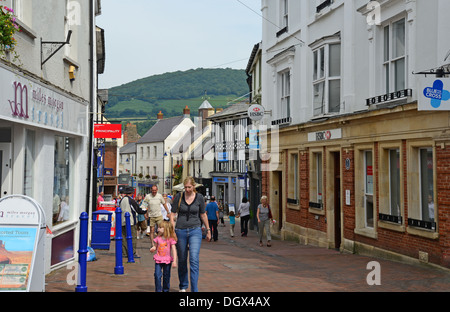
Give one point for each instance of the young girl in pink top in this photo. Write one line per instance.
(166, 254)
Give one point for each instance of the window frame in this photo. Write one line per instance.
(293, 179)
(416, 224)
(316, 177)
(361, 227)
(285, 93)
(389, 74)
(322, 77)
(387, 218)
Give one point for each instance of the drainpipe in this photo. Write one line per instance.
(91, 105)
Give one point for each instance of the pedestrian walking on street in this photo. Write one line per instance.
(244, 214)
(212, 211)
(141, 226)
(166, 255)
(264, 216)
(232, 223)
(221, 215)
(190, 209)
(128, 204)
(153, 202)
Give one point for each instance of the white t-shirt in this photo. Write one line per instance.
(153, 204)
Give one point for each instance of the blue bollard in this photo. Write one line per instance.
(82, 252)
(129, 238)
(119, 265)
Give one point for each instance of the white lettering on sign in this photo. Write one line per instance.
(325, 135)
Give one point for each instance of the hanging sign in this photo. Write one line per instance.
(107, 131)
(22, 237)
(256, 112)
(434, 93)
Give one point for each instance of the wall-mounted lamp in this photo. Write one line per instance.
(72, 72)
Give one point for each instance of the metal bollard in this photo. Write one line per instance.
(118, 269)
(82, 253)
(129, 238)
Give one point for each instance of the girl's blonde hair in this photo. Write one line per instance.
(169, 231)
(263, 197)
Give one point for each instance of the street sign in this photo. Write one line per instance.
(22, 237)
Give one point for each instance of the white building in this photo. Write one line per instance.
(358, 163)
(46, 97)
(153, 157)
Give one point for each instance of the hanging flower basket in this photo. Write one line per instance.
(177, 173)
(8, 27)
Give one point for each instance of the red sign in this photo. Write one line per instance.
(107, 131)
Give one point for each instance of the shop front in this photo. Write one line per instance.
(43, 155)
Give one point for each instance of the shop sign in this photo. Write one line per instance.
(26, 101)
(325, 135)
(22, 237)
(107, 131)
(434, 94)
(222, 156)
(256, 112)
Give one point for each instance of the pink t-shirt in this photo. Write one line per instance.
(163, 250)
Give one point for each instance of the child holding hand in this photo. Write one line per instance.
(166, 254)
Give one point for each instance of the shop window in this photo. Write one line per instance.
(293, 187)
(365, 201)
(316, 183)
(422, 208)
(62, 187)
(390, 184)
(368, 188)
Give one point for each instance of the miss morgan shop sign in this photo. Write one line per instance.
(23, 100)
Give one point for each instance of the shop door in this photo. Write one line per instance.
(5, 169)
(337, 201)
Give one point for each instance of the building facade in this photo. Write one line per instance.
(47, 95)
(153, 157)
(354, 161)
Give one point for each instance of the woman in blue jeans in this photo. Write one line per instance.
(190, 209)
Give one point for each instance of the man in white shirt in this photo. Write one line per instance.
(153, 203)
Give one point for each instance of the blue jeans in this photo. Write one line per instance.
(162, 270)
(189, 241)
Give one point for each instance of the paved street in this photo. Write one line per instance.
(239, 264)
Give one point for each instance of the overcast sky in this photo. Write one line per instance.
(149, 37)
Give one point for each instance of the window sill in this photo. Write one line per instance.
(367, 232)
(293, 206)
(316, 211)
(430, 234)
(391, 226)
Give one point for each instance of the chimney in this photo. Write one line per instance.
(160, 115)
(187, 112)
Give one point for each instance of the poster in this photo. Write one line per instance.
(16, 254)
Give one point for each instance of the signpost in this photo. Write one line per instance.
(22, 238)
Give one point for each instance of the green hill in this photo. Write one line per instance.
(139, 101)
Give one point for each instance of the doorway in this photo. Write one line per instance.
(277, 187)
(5, 168)
(337, 198)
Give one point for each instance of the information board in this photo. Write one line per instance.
(22, 236)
